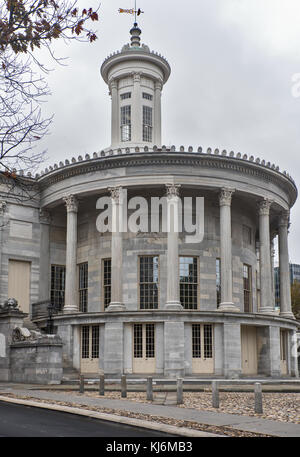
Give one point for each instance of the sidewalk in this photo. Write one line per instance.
(236, 422)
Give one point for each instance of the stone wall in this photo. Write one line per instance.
(38, 361)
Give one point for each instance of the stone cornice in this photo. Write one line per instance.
(200, 160)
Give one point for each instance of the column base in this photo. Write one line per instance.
(70, 310)
(267, 310)
(115, 306)
(173, 306)
(229, 307)
(287, 314)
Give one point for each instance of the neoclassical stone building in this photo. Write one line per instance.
(154, 301)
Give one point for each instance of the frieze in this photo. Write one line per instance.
(104, 163)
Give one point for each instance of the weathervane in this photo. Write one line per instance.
(132, 11)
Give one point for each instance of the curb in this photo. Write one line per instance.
(172, 429)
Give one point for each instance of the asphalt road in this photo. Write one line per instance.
(27, 421)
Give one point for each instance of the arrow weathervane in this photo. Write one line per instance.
(132, 11)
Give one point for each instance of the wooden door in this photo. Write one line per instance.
(144, 348)
(202, 348)
(89, 349)
(249, 350)
(19, 283)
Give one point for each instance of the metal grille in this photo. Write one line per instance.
(149, 282)
(125, 96)
(208, 341)
(150, 341)
(83, 287)
(57, 293)
(247, 289)
(196, 341)
(218, 281)
(106, 282)
(147, 123)
(95, 341)
(85, 342)
(189, 282)
(138, 341)
(147, 96)
(126, 123)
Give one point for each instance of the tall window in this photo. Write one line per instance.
(126, 123)
(188, 269)
(247, 289)
(83, 287)
(218, 281)
(149, 281)
(57, 293)
(106, 268)
(147, 123)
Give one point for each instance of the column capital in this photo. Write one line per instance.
(44, 216)
(115, 193)
(173, 190)
(225, 196)
(71, 203)
(284, 219)
(3, 207)
(158, 85)
(264, 207)
(136, 77)
(113, 84)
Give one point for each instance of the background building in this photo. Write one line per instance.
(294, 276)
(153, 301)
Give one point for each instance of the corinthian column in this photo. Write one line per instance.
(136, 110)
(116, 303)
(157, 114)
(284, 267)
(71, 302)
(173, 295)
(267, 301)
(115, 127)
(225, 199)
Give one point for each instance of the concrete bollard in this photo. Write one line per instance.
(215, 394)
(149, 389)
(258, 407)
(101, 384)
(179, 391)
(81, 384)
(123, 386)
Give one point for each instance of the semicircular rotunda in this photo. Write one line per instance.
(156, 260)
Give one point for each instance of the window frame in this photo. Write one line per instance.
(123, 117)
(191, 283)
(61, 301)
(248, 292)
(83, 291)
(139, 281)
(104, 286)
(147, 124)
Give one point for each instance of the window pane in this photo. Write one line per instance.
(188, 282)
(83, 287)
(138, 341)
(196, 340)
(208, 352)
(149, 282)
(106, 282)
(85, 340)
(126, 123)
(95, 341)
(147, 123)
(150, 345)
(57, 293)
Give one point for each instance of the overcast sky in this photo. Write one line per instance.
(231, 84)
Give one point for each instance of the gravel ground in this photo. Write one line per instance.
(284, 407)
